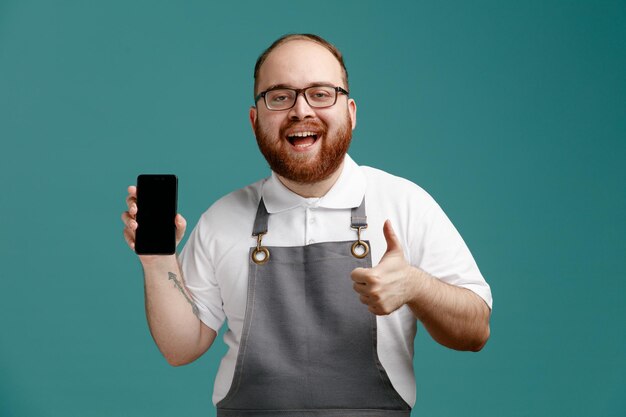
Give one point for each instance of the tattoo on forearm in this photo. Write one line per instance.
(177, 284)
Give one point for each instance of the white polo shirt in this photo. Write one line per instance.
(215, 259)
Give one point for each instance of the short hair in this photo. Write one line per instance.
(300, 36)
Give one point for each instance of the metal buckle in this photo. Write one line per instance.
(364, 247)
(260, 250)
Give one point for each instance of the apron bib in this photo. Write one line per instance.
(308, 346)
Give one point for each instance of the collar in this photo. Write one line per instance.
(347, 192)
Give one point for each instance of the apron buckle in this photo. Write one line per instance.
(360, 248)
(260, 250)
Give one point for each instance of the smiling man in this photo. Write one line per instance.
(322, 270)
(305, 140)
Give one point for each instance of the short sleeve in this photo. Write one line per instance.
(439, 249)
(200, 280)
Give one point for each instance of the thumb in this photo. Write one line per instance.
(181, 225)
(393, 244)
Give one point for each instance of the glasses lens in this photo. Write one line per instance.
(280, 99)
(320, 96)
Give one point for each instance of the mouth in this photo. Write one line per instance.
(303, 140)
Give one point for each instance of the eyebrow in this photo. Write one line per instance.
(314, 84)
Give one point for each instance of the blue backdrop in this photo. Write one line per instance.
(511, 114)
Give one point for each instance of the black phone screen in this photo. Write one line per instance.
(156, 210)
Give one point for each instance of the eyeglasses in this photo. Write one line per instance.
(317, 96)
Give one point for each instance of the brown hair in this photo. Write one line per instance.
(300, 36)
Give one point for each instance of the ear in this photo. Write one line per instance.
(252, 116)
(352, 112)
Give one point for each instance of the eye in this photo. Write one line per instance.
(320, 94)
(279, 96)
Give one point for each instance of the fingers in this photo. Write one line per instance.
(359, 275)
(131, 202)
(367, 292)
(366, 283)
(359, 288)
(368, 286)
(130, 238)
(129, 217)
(375, 310)
(129, 220)
(132, 207)
(373, 306)
(129, 229)
(364, 276)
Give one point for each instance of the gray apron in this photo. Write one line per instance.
(308, 346)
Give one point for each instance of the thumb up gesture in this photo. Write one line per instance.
(387, 286)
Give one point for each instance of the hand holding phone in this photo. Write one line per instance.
(152, 225)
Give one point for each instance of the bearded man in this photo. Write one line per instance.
(322, 270)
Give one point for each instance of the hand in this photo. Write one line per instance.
(387, 286)
(129, 218)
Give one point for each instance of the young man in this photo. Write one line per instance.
(321, 270)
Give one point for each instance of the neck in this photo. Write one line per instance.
(314, 189)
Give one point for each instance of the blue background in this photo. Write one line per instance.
(511, 114)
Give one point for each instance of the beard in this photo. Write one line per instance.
(303, 168)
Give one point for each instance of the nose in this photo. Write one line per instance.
(301, 110)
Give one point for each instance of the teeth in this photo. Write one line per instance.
(301, 134)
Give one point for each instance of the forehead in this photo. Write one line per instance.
(299, 63)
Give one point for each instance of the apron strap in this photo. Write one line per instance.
(358, 218)
(260, 221)
(360, 248)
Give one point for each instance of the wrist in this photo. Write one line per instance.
(150, 262)
(419, 281)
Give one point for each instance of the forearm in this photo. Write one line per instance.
(171, 313)
(455, 317)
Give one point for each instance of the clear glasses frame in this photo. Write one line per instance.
(297, 92)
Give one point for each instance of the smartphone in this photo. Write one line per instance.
(157, 196)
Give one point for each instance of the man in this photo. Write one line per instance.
(313, 327)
